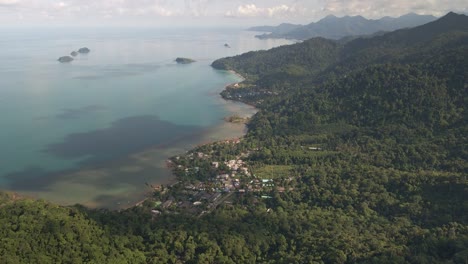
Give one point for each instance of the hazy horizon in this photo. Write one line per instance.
(203, 13)
(93, 131)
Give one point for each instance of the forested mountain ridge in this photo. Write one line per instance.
(333, 27)
(315, 60)
(307, 58)
(412, 78)
(395, 102)
(367, 144)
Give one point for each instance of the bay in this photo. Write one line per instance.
(95, 130)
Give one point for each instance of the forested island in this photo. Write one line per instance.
(65, 59)
(84, 50)
(358, 154)
(184, 60)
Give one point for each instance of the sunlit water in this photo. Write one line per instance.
(95, 130)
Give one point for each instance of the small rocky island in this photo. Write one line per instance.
(184, 60)
(84, 50)
(65, 59)
(70, 58)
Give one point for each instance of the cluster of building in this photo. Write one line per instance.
(200, 197)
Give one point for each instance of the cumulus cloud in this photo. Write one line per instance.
(299, 11)
(246, 10)
(97, 8)
(251, 10)
(379, 8)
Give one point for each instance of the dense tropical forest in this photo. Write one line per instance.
(369, 138)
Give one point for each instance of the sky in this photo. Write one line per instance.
(164, 13)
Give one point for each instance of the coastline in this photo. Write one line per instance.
(102, 183)
(235, 85)
(129, 178)
(238, 75)
(224, 124)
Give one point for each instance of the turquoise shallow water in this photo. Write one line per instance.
(61, 122)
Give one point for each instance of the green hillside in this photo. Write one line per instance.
(367, 139)
(40, 232)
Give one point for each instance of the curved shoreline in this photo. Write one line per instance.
(225, 123)
(238, 75)
(149, 164)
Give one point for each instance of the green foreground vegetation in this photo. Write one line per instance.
(367, 140)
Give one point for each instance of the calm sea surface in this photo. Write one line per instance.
(95, 130)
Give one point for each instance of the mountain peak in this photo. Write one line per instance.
(453, 14)
(329, 17)
(334, 27)
(359, 17)
(453, 18)
(412, 14)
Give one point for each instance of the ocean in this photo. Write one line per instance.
(95, 131)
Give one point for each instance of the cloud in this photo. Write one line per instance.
(248, 10)
(93, 8)
(197, 7)
(149, 11)
(379, 8)
(251, 10)
(162, 11)
(8, 2)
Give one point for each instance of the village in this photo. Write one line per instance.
(194, 195)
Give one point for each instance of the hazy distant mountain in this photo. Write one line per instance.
(333, 27)
(281, 29)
